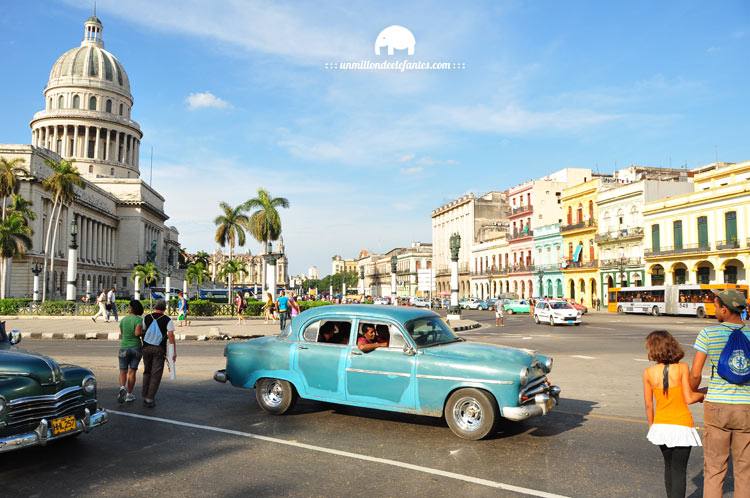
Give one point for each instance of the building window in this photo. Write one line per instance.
(109, 105)
(591, 250)
(655, 242)
(677, 232)
(60, 102)
(76, 102)
(570, 251)
(730, 275)
(570, 215)
(679, 276)
(704, 275)
(120, 109)
(579, 213)
(703, 232)
(730, 226)
(112, 171)
(591, 210)
(49, 103)
(92, 104)
(91, 168)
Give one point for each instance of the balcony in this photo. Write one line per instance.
(520, 269)
(619, 235)
(620, 262)
(522, 209)
(547, 268)
(722, 245)
(671, 251)
(592, 263)
(520, 234)
(578, 226)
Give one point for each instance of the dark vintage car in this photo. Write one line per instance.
(42, 400)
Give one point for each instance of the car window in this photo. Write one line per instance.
(430, 331)
(382, 331)
(311, 332)
(328, 331)
(396, 340)
(561, 306)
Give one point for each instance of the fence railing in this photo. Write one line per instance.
(579, 225)
(727, 244)
(684, 249)
(524, 208)
(625, 233)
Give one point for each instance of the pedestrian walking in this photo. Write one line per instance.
(671, 425)
(239, 307)
(282, 304)
(268, 308)
(101, 302)
(726, 411)
(182, 310)
(294, 309)
(130, 354)
(499, 314)
(532, 304)
(111, 306)
(159, 329)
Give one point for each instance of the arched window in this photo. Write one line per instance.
(60, 102)
(570, 215)
(112, 171)
(109, 105)
(120, 109)
(92, 103)
(591, 209)
(49, 103)
(579, 213)
(91, 168)
(76, 102)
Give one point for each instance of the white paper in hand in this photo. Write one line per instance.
(171, 362)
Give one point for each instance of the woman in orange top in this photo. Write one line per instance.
(671, 424)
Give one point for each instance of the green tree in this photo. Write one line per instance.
(147, 273)
(230, 230)
(196, 273)
(265, 221)
(19, 204)
(61, 183)
(232, 268)
(9, 169)
(202, 257)
(15, 240)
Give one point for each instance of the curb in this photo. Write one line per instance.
(115, 336)
(463, 328)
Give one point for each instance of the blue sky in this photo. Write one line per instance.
(365, 156)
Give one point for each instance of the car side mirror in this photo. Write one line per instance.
(15, 336)
(409, 351)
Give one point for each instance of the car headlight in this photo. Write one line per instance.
(89, 384)
(548, 364)
(578, 315)
(3, 405)
(524, 376)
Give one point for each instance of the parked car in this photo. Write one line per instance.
(41, 400)
(516, 306)
(426, 369)
(462, 303)
(578, 306)
(478, 304)
(556, 312)
(418, 302)
(381, 301)
(491, 302)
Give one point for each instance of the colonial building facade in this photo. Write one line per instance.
(547, 258)
(86, 119)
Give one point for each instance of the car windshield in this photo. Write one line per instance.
(430, 331)
(561, 306)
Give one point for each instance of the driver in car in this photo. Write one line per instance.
(369, 340)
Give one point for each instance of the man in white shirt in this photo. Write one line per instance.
(112, 304)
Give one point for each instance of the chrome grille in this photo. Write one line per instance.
(535, 386)
(34, 408)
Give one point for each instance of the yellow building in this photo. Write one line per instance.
(701, 237)
(578, 229)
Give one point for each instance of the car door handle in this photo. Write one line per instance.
(302, 347)
(356, 353)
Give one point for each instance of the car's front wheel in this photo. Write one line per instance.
(471, 413)
(551, 321)
(510, 311)
(536, 319)
(275, 396)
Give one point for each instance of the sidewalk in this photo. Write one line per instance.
(82, 328)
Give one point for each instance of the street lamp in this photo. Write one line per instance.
(394, 267)
(271, 259)
(70, 294)
(454, 312)
(541, 282)
(36, 269)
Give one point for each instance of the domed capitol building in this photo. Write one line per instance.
(121, 220)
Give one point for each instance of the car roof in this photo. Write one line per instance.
(400, 313)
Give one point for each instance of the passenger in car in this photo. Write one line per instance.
(369, 340)
(331, 334)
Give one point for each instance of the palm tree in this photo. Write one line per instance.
(196, 273)
(19, 204)
(15, 240)
(8, 171)
(265, 222)
(229, 226)
(148, 273)
(202, 257)
(232, 268)
(61, 183)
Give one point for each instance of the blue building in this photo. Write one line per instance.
(547, 257)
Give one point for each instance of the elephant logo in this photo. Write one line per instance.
(395, 38)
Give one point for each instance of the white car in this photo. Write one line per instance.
(382, 301)
(556, 312)
(420, 303)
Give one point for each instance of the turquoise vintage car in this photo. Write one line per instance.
(516, 306)
(42, 400)
(425, 368)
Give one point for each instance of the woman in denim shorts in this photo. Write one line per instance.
(131, 330)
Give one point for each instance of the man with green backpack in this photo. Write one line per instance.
(727, 404)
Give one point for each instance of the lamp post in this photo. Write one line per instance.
(541, 282)
(271, 259)
(36, 270)
(168, 284)
(454, 312)
(136, 285)
(362, 281)
(70, 292)
(394, 266)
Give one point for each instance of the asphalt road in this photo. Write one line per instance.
(210, 439)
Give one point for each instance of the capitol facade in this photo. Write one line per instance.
(87, 120)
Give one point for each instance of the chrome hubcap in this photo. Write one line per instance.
(273, 394)
(467, 413)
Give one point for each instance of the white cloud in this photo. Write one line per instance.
(412, 170)
(202, 100)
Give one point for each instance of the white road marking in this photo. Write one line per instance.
(526, 338)
(331, 451)
(583, 357)
(641, 359)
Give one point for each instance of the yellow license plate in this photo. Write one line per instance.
(63, 425)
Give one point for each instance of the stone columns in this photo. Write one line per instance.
(117, 146)
(75, 143)
(86, 144)
(65, 143)
(96, 142)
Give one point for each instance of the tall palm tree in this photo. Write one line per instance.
(61, 183)
(202, 257)
(196, 273)
(19, 204)
(15, 240)
(230, 226)
(148, 273)
(8, 171)
(265, 222)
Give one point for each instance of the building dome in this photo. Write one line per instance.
(90, 64)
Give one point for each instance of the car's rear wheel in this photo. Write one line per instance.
(655, 311)
(510, 311)
(275, 396)
(471, 413)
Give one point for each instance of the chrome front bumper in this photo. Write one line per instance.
(542, 405)
(220, 376)
(43, 434)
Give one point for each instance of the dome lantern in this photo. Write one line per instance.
(92, 32)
